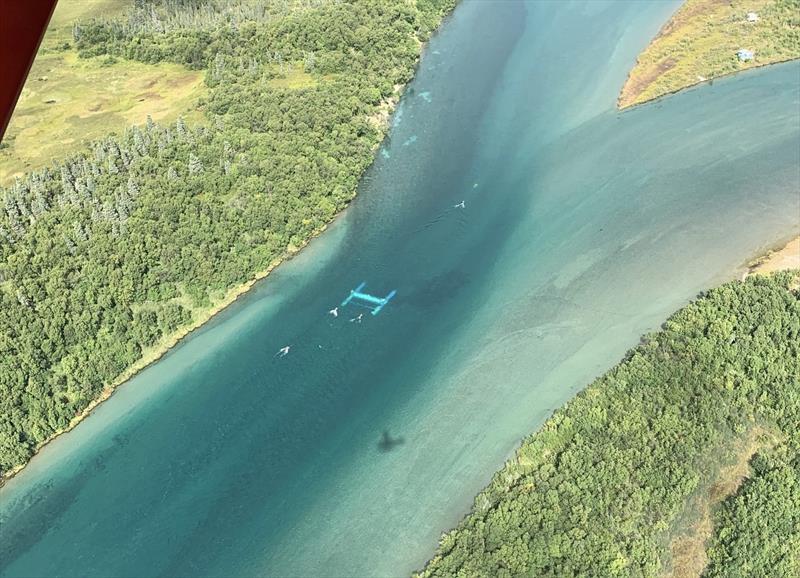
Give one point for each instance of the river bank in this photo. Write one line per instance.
(623, 105)
(164, 346)
(700, 43)
(575, 478)
(380, 119)
(786, 257)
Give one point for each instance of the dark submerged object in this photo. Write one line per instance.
(388, 443)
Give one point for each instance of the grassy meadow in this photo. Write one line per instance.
(701, 40)
(67, 100)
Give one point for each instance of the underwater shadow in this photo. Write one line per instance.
(387, 443)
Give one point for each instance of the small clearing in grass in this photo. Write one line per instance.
(294, 78)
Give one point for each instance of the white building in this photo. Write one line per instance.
(745, 55)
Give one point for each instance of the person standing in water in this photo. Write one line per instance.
(334, 312)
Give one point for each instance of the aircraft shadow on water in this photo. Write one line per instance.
(387, 443)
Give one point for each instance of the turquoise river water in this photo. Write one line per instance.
(583, 228)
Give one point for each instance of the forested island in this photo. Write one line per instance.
(109, 256)
(646, 472)
(703, 40)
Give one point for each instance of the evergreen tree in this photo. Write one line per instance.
(195, 165)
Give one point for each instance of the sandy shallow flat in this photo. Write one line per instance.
(780, 260)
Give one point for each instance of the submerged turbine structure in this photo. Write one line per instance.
(375, 304)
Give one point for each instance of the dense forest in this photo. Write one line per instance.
(758, 529)
(105, 253)
(609, 478)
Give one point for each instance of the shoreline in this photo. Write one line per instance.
(166, 345)
(784, 255)
(381, 120)
(696, 45)
(708, 81)
(779, 258)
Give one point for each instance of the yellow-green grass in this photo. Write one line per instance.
(701, 40)
(68, 101)
(68, 12)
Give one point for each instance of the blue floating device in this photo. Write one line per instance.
(375, 304)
